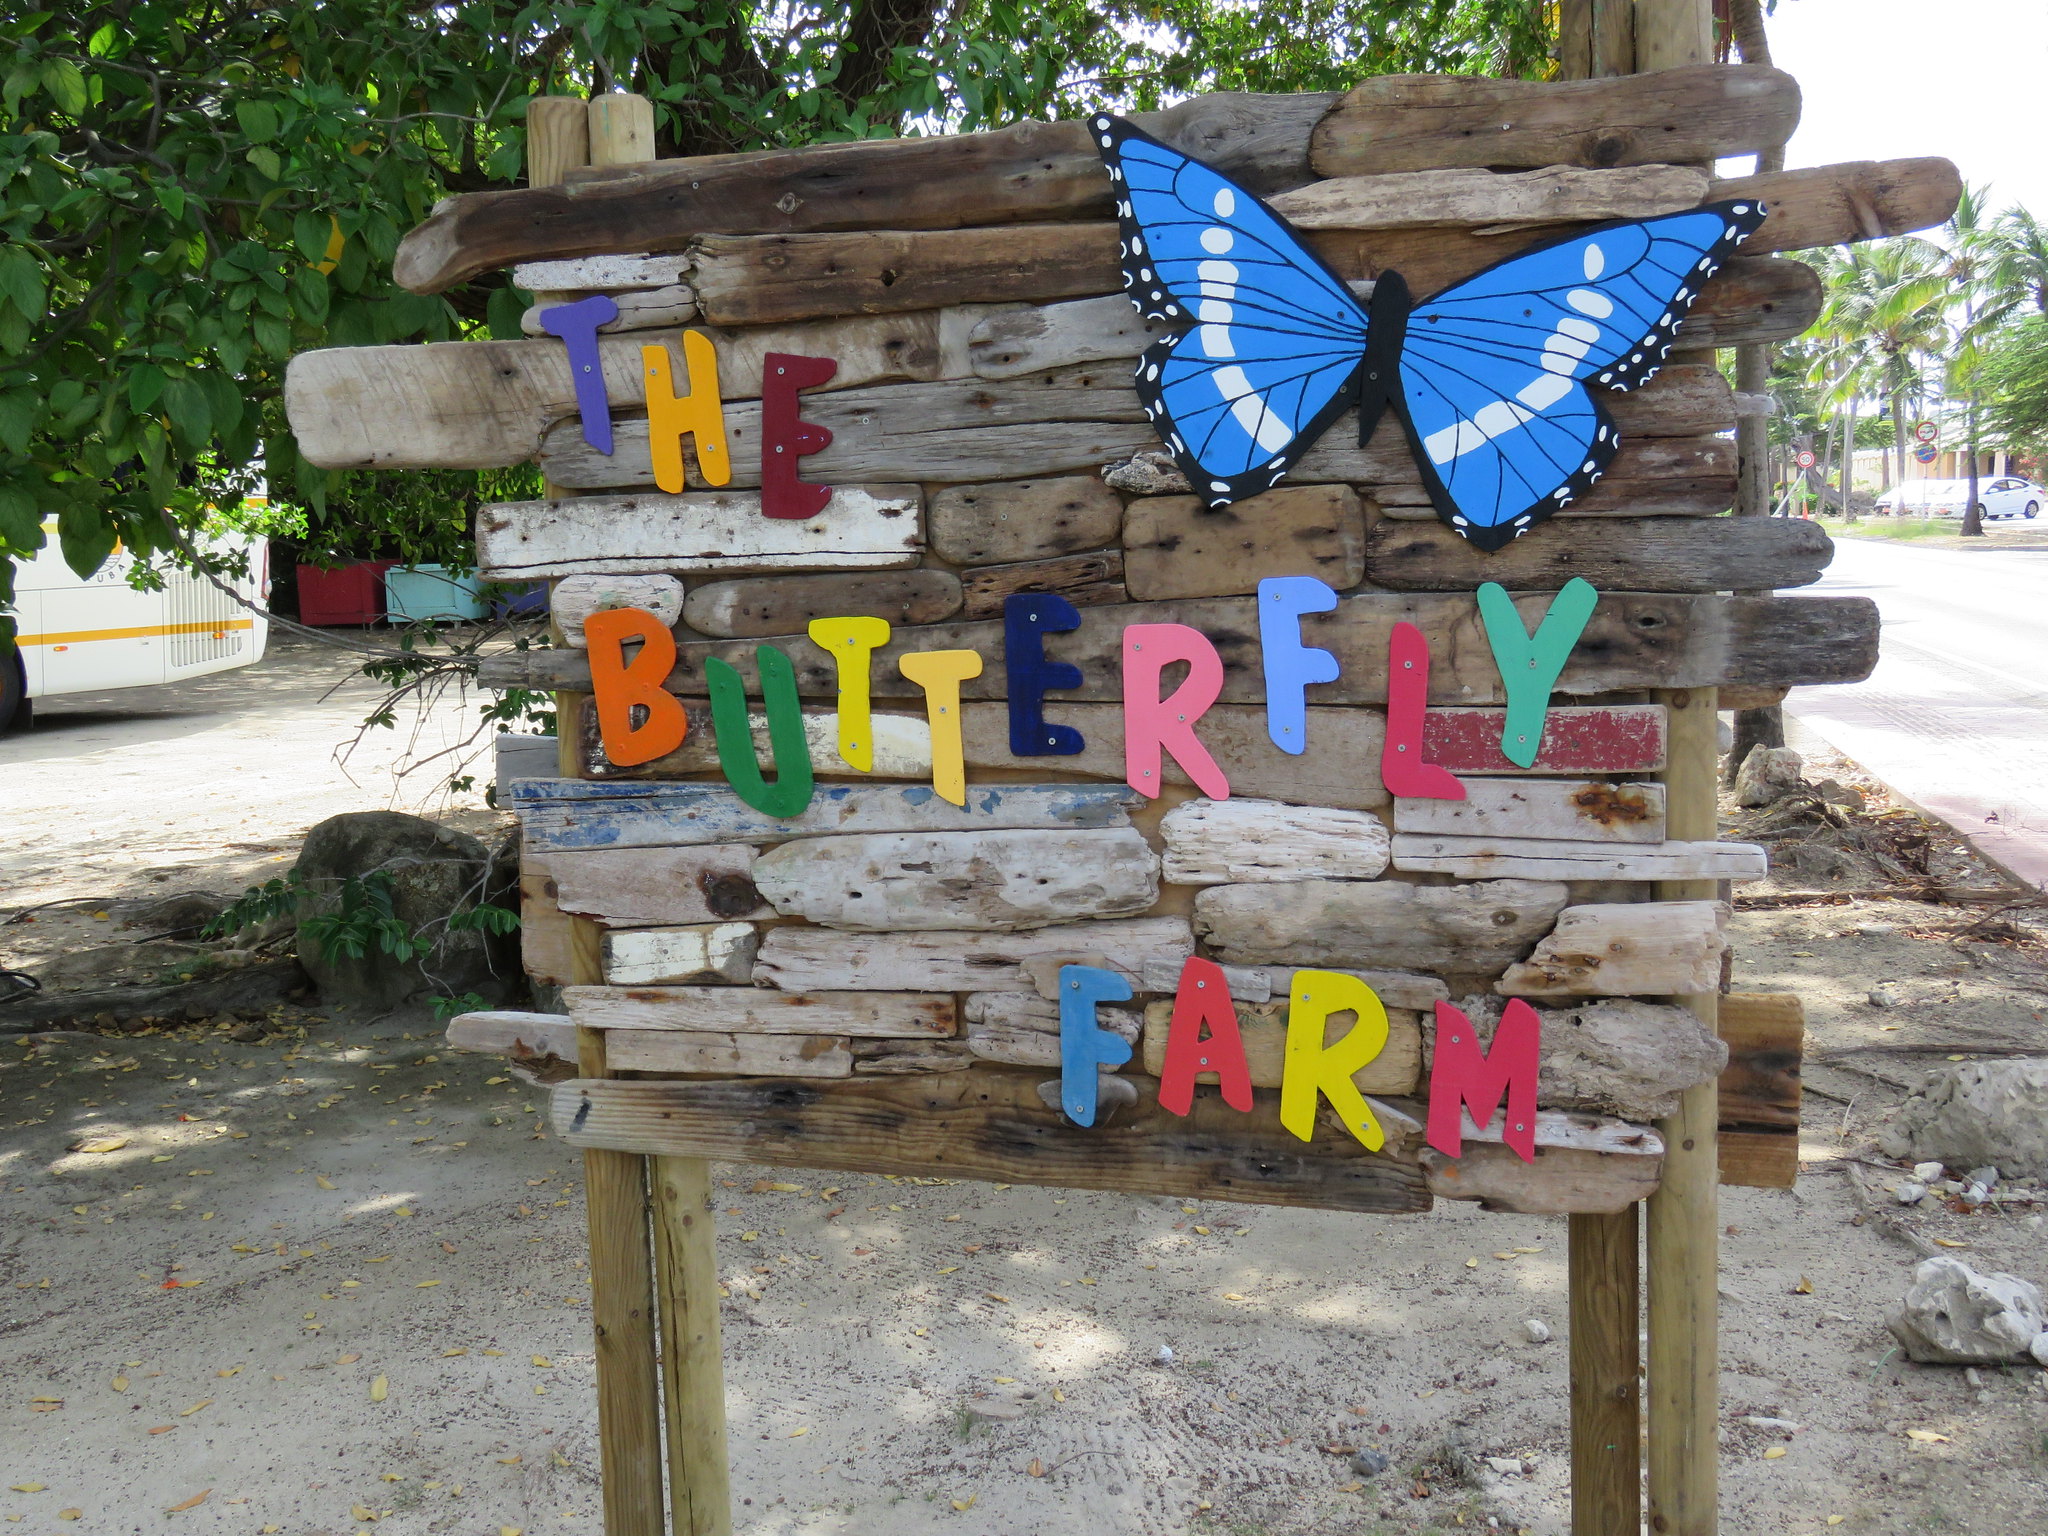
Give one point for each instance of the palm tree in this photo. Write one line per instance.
(1973, 265)
(1882, 315)
(2020, 257)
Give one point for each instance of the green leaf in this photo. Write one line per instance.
(172, 200)
(145, 383)
(87, 537)
(506, 307)
(21, 281)
(21, 523)
(309, 233)
(17, 419)
(266, 161)
(309, 294)
(258, 120)
(61, 78)
(190, 411)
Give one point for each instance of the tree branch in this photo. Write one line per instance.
(877, 30)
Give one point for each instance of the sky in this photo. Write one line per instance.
(1887, 79)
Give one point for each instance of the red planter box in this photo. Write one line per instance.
(349, 594)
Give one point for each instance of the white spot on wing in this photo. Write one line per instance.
(1596, 261)
(1217, 241)
(1589, 302)
(1225, 202)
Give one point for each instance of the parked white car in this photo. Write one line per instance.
(1999, 496)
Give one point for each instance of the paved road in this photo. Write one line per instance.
(1956, 716)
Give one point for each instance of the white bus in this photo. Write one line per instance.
(82, 635)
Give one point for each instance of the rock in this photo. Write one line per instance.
(1978, 1112)
(1839, 794)
(1150, 473)
(433, 873)
(1367, 1462)
(1975, 1194)
(1762, 1421)
(1767, 775)
(1003, 1407)
(1537, 1330)
(1910, 1191)
(1164, 1355)
(1986, 1176)
(1952, 1315)
(2039, 1349)
(1112, 1093)
(1506, 1466)
(1883, 995)
(1928, 1172)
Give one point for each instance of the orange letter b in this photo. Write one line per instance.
(619, 687)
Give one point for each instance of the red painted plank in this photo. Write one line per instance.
(1614, 738)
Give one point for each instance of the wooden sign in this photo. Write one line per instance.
(1174, 655)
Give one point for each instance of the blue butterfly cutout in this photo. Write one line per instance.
(1488, 378)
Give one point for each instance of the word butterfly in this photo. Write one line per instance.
(1488, 378)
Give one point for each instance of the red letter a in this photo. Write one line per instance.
(1203, 999)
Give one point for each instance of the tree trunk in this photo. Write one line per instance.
(1848, 469)
(1973, 519)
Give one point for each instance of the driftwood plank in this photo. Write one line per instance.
(949, 431)
(1478, 928)
(480, 404)
(1418, 122)
(1656, 477)
(1016, 520)
(575, 598)
(708, 1051)
(1022, 1029)
(1015, 175)
(652, 310)
(1634, 640)
(1760, 1089)
(824, 959)
(504, 1033)
(1262, 1027)
(972, 880)
(1585, 1164)
(785, 605)
(902, 745)
(752, 1011)
(1556, 194)
(646, 887)
(599, 274)
(1577, 739)
(1594, 812)
(561, 815)
(1644, 554)
(1624, 949)
(1086, 581)
(1869, 199)
(701, 952)
(1216, 842)
(1531, 858)
(1177, 546)
(547, 950)
(870, 526)
(989, 1123)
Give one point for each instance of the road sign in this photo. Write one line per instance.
(1805, 458)
(1924, 453)
(1925, 432)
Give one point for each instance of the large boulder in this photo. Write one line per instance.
(1952, 1315)
(1977, 1113)
(1767, 775)
(359, 864)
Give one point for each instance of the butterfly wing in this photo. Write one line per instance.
(1494, 371)
(1275, 340)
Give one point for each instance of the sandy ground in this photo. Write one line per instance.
(378, 1320)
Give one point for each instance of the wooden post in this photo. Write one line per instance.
(692, 1372)
(1596, 38)
(1683, 1229)
(614, 1183)
(557, 138)
(621, 129)
(1607, 1446)
(1673, 33)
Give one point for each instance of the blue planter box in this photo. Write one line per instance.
(415, 592)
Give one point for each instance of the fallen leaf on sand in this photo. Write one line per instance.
(509, 1461)
(421, 1285)
(544, 1362)
(1803, 1288)
(966, 1503)
(448, 1248)
(194, 1502)
(1036, 1469)
(450, 1354)
(1950, 1242)
(1836, 1519)
(26, 1487)
(1232, 1296)
(348, 1359)
(70, 1514)
(1471, 1263)
(100, 1144)
(322, 1180)
(1926, 1435)
(380, 1389)
(795, 1433)
(163, 1429)
(119, 1383)
(1774, 1453)
(202, 1403)
(992, 1296)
